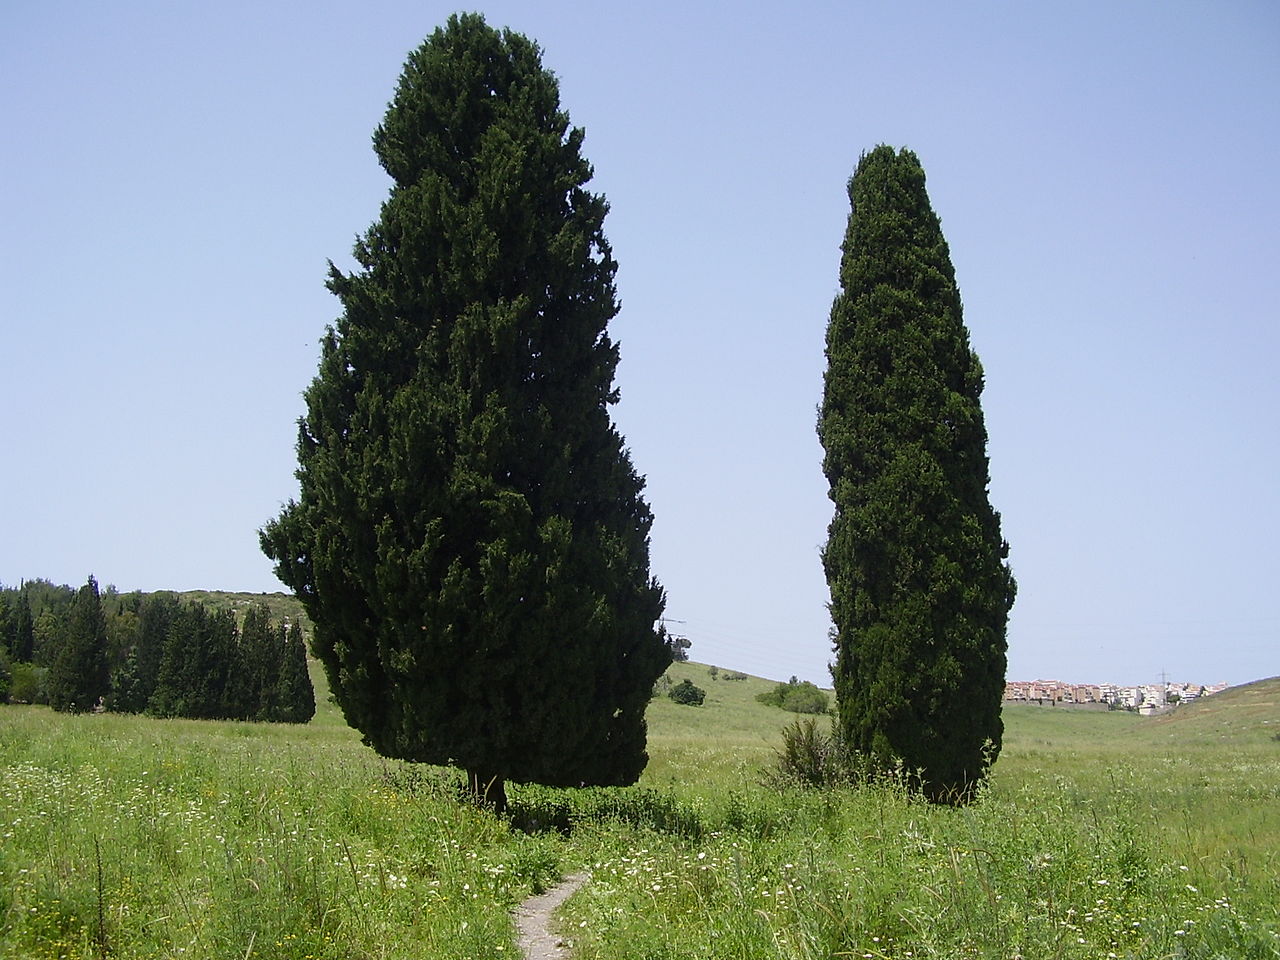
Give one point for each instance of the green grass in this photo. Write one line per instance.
(1101, 834)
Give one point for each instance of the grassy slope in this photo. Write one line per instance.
(727, 739)
(1241, 715)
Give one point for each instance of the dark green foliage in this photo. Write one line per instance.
(29, 684)
(17, 624)
(470, 541)
(50, 607)
(78, 678)
(22, 639)
(920, 591)
(295, 697)
(686, 693)
(798, 696)
(262, 649)
(157, 615)
(7, 620)
(161, 656)
(199, 654)
(6, 675)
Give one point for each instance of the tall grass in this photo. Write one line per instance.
(231, 840)
(1099, 835)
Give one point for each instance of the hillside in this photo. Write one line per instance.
(283, 606)
(1245, 714)
(731, 735)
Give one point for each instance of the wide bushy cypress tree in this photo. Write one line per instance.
(470, 541)
(920, 590)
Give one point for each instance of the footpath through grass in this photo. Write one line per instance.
(1101, 835)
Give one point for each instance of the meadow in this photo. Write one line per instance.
(1100, 835)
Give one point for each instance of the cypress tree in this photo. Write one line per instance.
(296, 698)
(920, 590)
(78, 677)
(262, 648)
(470, 541)
(8, 619)
(143, 664)
(200, 654)
(23, 643)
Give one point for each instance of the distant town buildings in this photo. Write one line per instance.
(1146, 698)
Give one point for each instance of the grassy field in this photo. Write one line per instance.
(1102, 834)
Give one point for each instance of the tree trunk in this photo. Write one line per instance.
(488, 790)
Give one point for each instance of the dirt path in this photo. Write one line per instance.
(533, 917)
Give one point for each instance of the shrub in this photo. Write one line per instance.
(808, 757)
(6, 676)
(28, 684)
(798, 696)
(685, 692)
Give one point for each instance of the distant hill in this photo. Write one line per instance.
(1244, 713)
(283, 606)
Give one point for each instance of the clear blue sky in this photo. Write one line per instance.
(175, 175)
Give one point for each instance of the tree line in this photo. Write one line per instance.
(84, 650)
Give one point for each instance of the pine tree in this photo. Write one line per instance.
(296, 698)
(470, 542)
(78, 677)
(920, 591)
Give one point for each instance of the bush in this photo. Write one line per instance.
(808, 757)
(28, 684)
(798, 696)
(6, 676)
(686, 693)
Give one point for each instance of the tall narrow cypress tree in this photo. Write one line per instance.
(23, 640)
(296, 697)
(920, 590)
(470, 541)
(261, 646)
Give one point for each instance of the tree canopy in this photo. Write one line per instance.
(470, 540)
(79, 677)
(920, 590)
